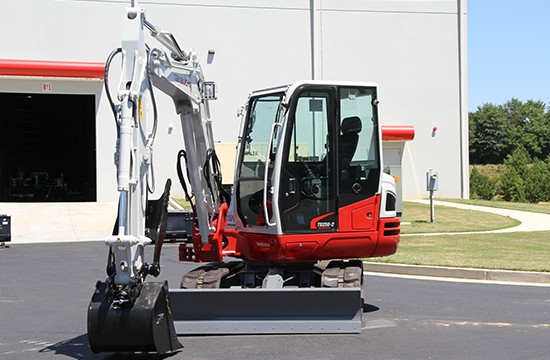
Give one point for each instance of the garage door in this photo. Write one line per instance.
(47, 147)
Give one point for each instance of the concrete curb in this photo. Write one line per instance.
(460, 273)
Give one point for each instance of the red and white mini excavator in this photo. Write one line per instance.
(309, 186)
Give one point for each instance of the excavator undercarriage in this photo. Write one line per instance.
(256, 298)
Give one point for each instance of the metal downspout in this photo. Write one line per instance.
(315, 11)
(463, 97)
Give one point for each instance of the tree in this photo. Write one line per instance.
(488, 135)
(529, 127)
(497, 130)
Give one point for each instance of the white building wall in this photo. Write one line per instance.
(409, 47)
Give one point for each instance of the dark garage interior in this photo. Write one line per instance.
(47, 147)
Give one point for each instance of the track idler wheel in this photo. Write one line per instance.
(145, 326)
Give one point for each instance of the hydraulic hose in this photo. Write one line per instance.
(151, 138)
(106, 83)
(183, 154)
(212, 157)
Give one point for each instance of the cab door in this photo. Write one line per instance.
(255, 165)
(307, 200)
(331, 164)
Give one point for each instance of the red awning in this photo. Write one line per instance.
(397, 132)
(44, 68)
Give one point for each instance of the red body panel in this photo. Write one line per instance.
(352, 240)
(361, 234)
(361, 216)
(390, 229)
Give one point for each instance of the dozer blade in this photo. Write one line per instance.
(146, 326)
(267, 311)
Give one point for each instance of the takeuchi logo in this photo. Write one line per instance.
(181, 80)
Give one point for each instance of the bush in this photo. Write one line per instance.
(481, 186)
(512, 185)
(537, 184)
(518, 160)
(513, 178)
(519, 179)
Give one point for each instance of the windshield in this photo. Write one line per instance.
(264, 111)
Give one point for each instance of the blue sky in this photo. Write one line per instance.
(508, 51)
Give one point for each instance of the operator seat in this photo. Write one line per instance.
(347, 143)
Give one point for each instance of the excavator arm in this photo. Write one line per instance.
(125, 299)
(184, 83)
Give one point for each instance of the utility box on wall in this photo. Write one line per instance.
(432, 181)
(5, 227)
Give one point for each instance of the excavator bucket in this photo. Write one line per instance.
(145, 326)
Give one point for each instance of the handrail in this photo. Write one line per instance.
(266, 173)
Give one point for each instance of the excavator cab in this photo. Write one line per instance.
(310, 163)
(308, 186)
(308, 183)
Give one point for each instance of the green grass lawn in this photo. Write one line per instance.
(526, 251)
(510, 251)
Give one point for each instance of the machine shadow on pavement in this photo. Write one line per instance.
(368, 308)
(78, 348)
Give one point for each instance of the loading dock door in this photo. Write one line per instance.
(47, 147)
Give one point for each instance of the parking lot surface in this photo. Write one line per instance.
(45, 290)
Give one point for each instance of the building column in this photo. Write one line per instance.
(315, 10)
(463, 97)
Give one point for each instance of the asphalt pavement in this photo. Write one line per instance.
(48, 273)
(45, 290)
